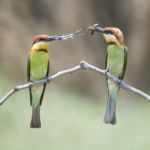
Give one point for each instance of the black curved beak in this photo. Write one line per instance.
(97, 29)
(53, 37)
(101, 30)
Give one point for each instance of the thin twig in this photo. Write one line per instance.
(83, 66)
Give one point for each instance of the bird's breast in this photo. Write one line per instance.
(38, 65)
(115, 62)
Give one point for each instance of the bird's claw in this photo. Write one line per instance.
(106, 71)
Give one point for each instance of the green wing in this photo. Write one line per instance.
(44, 85)
(28, 69)
(28, 78)
(106, 57)
(125, 62)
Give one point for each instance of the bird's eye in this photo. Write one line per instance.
(109, 32)
(41, 39)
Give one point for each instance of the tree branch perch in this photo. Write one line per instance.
(83, 66)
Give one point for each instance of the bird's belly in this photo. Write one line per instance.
(39, 66)
(38, 73)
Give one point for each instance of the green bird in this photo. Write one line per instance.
(37, 69)
(116, 60)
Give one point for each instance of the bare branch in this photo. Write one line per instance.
(83, 66)
(121, 83)
(40, 82)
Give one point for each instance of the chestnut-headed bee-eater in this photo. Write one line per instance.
(116, 60)
(37, 69)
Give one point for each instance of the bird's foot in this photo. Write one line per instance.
(106, 71)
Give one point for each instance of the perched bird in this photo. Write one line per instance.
(116, 60)
(37, 69)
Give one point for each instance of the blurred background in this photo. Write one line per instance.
(74, 105)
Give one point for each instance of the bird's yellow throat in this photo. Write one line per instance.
(40, 45)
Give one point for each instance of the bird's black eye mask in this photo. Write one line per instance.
(41, 40)
(108, 32)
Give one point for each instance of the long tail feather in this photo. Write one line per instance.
(110, 115)
(35, 121)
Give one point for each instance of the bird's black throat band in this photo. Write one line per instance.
(42, 50)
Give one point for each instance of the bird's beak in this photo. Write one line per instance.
(99, 29)
(96, 28)
(53, 37)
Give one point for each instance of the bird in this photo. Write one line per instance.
(38, 69)
(115, 64)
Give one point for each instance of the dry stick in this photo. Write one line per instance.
(83, 66)
(37, 83)
(121, 83)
